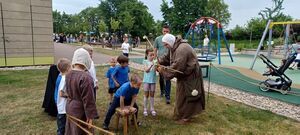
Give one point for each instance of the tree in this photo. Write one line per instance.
(158, 28)
(218, 9)
(270, 13)
(255, 27)
(177, 15)
(102, 27)
(135, 14)
(57, 26)
(114, 24)
(90, 18)
(128, 21)
(239, 33)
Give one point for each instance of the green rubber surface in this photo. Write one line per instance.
(222, 78)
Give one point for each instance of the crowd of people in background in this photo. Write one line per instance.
(93, 39)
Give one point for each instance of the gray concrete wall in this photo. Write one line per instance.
(25, 37)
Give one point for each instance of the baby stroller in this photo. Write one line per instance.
(282, 82)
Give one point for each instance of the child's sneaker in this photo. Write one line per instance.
(105, 127)
(153, 113)
(145, 113)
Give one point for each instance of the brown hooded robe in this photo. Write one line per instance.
(182, 57)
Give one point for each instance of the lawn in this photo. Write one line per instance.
(22, 94)
(25, 61)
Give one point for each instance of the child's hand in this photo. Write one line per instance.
(61, 93)
(117, 85)
(97, 85)
(132, 109)
(159, 69)
(125, 111)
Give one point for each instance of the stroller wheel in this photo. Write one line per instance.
(263, 86)
(285, 90)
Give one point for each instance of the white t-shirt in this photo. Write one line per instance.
(205, 41)
(61, 101)
(92, 71)
(125, 47)
(298, 56)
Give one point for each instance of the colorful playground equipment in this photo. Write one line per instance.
(286, 48)
(212, 28)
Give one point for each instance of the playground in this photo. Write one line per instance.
(248, 87)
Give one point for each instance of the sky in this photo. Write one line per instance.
(241, 10)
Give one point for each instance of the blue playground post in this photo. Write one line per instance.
(187, 34)
(193, 34)
(226, 43)
(219, 46)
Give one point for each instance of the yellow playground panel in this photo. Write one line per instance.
(283, 23)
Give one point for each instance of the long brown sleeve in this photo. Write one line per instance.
(88, 99)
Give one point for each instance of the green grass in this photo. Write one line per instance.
(25, 61)
(245, 44)
(22, 93)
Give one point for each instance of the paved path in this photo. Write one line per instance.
(66, 51)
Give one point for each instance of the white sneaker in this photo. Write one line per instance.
(145, 113)
(153, 113)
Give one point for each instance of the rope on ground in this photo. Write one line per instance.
(270, 88)
(75, 120)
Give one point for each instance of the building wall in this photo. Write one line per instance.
(27, 26)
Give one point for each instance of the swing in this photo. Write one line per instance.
(208, 52)
(205, 25)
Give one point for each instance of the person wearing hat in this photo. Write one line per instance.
(79, 87)
(184, 66)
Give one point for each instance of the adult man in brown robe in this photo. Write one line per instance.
(190, 99)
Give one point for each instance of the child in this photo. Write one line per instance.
(125, 47)
(79, 86)
(121, 73)
(270, 71)
(92, 70)
(149, 81)
(205, 41)
(112, 87)
(64, 66)
(296, 62)
(126, 95)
